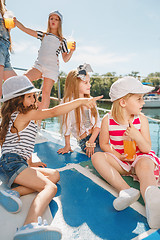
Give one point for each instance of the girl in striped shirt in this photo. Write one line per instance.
(47, 64)
(126, 120)
(17, 138)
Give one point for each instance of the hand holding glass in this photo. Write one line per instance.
(129, 148)
(8, 20)
(71, 45)
(9, 23)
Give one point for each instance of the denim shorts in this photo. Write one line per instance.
(82, 143)
(5, 55)
(11, 165)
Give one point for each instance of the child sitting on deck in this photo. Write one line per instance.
(82, 123)
(126, 120)
(17, 138)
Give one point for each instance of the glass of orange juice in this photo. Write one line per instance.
(71, 45)
(129, 148)
(8, 20)
(9, 23)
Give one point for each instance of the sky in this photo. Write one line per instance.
(118, 36)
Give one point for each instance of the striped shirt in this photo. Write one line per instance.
(117, 130)
(60, 46)
(23, 144)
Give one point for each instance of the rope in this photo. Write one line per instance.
(103, 109)
(153, 119)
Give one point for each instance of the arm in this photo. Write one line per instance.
(29, 31)
(104, 139)
(104, 136)
(141, 137)
(67, 56)
(60, 109)
(90, 150)
(67, 147)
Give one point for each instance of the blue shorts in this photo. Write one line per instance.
(82, 144)
(11, 165)
(5, 55)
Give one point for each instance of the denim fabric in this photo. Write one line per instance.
(5, 55)
(82, 144)
(11, 165)
(4, 32)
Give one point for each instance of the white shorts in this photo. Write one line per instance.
(48, 71)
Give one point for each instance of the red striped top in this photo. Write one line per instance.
(117, 130)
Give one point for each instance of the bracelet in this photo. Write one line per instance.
(90, 144)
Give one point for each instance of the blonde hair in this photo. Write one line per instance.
(71, 91)
(2, 7)
(116, 109)
(59, 31)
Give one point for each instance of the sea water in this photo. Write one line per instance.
(53, 124)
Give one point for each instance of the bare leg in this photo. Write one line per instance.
(51, 174)
(34, 179)
(149, 190)
(33, 74)
(46, 92)
(145, 172)
(110, 170)
(8, 74)
(4, 75)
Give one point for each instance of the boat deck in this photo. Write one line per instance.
(83, 207)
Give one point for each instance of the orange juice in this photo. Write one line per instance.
(129, 148)
(9, 23)
(70, 45)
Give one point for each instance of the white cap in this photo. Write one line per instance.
(17, 86)
(125, 85)
(58, 14)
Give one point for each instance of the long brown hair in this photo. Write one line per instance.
(71, 91)
(9, 107)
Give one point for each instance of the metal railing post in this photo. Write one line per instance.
(59, 89)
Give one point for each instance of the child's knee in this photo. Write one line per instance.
(57, 175)
(54, 176)
(51, 187)
(145, 164)
(96, 157)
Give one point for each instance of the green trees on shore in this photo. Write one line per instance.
(101, 83)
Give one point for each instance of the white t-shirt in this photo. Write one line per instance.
(50, 48)
(87, 123)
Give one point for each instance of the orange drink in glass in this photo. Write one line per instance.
(129, 148)
(70, 45)
(9, 23)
